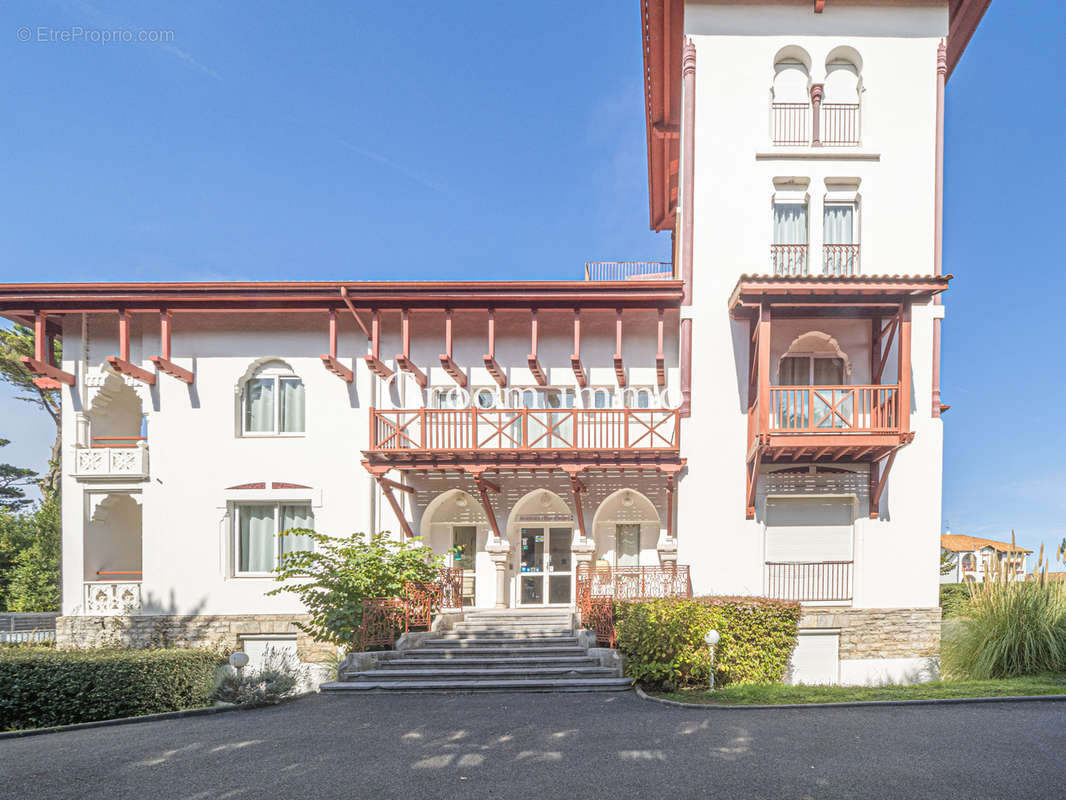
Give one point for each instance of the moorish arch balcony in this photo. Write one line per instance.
(795, 415)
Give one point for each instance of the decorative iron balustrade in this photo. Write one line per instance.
(789, 260)
(385, 619)
(628, 270)
(525, 429)
(824, 409)
(809, 581)
(840, 260)
(839, 125)
(599, 587)
(790, 123)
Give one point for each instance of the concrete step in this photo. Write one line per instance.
(484, 685)
(517, 630)
(529, 651)
(496, 633)
(461, 661)
(494, 641)
(482, 673)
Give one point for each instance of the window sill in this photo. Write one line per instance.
(272, 436)
(817, 154)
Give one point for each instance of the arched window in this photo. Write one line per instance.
(272, 401)
(790, 97)
(814, 359)
(842, 91)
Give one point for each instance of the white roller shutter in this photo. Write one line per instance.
(809, 528)
(816, 659)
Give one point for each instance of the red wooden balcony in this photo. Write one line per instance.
(821, 409)
(790, 123)
(809, 581)
(524, 434)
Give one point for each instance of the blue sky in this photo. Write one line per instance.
(492, 140)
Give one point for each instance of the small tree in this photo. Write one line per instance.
(334, 577)
(30, 548)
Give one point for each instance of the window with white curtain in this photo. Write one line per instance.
(258, 546)
(790, 223)
(840, 223)
(273, 402)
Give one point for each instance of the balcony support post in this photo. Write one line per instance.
(764, 330)
(686, 367)
(576, 488)
(330, 361)
(531, 359)
(403, 360)
(121, 363)
(619, 366)
(904, 352)
(386, 489)
(660, 358)
(688, 151)
(489, 358)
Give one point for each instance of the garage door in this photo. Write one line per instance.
(809, 529)
(816, 659)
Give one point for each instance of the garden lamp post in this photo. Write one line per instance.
(239, 661)
(711, 638)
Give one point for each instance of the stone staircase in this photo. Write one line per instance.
(490, 651)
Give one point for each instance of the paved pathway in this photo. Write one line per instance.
(551, 747)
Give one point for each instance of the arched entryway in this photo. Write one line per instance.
(541, 526)
(626, 529)
(454, 525)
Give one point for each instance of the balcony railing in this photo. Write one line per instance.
(809, 581)
(790, 123)
(788, 259)
(111, 462)
(112, 598)
(824, 409)
(633, 583)
(628, 270)
(840, 124)
(840, 260)
(524, 429)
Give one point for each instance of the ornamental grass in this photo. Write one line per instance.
(1006, 627)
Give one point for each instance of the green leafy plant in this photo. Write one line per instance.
(30, 558)
(953, 598)
(277, 679)
(40, 686)
(1008, 627)
(334, 577)
(664, 647)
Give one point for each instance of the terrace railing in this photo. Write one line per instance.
(599, 587)
(525, 429)
(809, 581)
(385, 619)
(628, 270)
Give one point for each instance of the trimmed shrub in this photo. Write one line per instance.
(664, 648)
(953, 598)
(41, 687)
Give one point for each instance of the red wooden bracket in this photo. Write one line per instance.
(531, 359)
(163, 362)
(660, 358)
(575, 360)
(42, 365)
(577, 488)
(348, 302)
(619, 366)
(373, 362)
(121, 363)
(446, 361)
(403, 360)
(489, 358)
(386, 489)
(819, 6)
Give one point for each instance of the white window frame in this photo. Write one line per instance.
(276, 432)
(235, 515)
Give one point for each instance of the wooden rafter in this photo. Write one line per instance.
(373, 361)
(403, 360)
(483, 488)
(489, 358)
(162, 362)
(670, 477)
(400, 487)
(752, 483)
(121, 363)
(577, 488)
(330, 361)
(619, 365)
(42, 365)
(879, 487)
(446, 360)
(531, 359)
(386, 489)
(575, 358)
(351, 307)
(660, 358)
(885, 345)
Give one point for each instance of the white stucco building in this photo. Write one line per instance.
(763, 409)
(975, 559)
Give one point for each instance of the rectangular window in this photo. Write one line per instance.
(259, 406)
(788, 252)
(627, 544)
(259, 548)
(841, 241)
(273, 405)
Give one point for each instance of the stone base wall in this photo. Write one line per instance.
(221, 631)
(879, 632)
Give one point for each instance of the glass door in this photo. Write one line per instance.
(546, 571)
(464, 550)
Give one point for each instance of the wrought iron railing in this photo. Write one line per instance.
(788, 259)
(824, 409)
(524, 429)
(790, 123)
(386, 619)
(628, 270)
(839, 125)
(840, 260)
(809, 581)
(599, 587)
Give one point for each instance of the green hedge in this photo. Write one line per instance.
(953, 598)
(40, 687)
(664, 648)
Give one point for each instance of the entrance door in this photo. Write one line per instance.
(464, 550)
(546, 570)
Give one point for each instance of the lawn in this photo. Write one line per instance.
(773, 694)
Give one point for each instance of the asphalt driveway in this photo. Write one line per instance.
(551, 746)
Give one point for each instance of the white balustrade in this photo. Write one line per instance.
(112, 598)
(110, 463)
